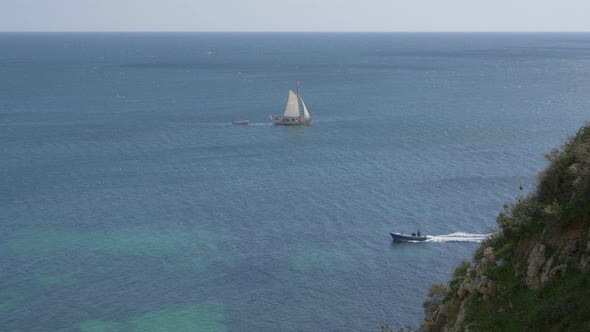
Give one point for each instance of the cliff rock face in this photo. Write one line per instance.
(533, 274)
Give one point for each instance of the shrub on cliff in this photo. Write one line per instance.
(562, 194)
(566, 181)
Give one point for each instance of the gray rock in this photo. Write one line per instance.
(546, 275)
(535, 262)
(489, 255)
(562, 269)
(569, 249)
(486, 286)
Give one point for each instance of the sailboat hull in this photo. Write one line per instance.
(289, 121)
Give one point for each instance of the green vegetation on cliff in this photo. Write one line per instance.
(532, 274)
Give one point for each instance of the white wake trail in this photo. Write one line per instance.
(458, 237)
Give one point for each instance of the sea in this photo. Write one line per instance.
(129, 202)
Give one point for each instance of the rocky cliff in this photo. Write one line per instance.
(531, 275)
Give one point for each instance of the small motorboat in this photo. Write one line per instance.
(241, 122)
(401, 237)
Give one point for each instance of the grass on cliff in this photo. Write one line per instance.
(559, 307)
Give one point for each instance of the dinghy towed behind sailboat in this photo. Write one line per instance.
(294, 115)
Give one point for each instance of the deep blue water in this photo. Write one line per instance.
(128, 201)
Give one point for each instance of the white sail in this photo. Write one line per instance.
(305, 112)
(292, 108)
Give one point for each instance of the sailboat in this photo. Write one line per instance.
(295, 115)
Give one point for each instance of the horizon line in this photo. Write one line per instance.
(293, 31)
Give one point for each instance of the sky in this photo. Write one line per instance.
(294, 15)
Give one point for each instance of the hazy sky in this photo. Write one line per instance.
(295, 15)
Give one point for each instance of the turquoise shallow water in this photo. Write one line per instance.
(129, 202)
